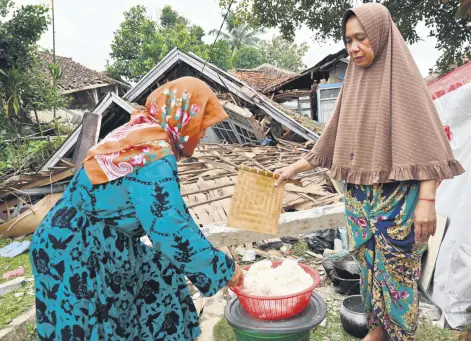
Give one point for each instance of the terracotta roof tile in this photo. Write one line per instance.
(75, 76)
(264, 76)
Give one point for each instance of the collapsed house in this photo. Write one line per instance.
(208, 178)
(253, 116)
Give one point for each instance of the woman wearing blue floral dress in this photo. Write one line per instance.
(386, 141)
(94, 279)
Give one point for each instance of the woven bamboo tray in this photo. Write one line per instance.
(256, 204)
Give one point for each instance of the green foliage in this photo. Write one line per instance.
(5, 7)
(239, 33)
(19, 35)
(248, 57)
(19, 155)
(12, 82)
(38, 92)
(140, 42)
(220, 54)
(136, 45)
(323, 17)
(275, 52)
(22, 84)
(25, 156)
(170, 18)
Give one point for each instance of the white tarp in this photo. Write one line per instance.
(452, 281)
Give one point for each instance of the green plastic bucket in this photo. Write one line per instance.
(243, 335)
(297, 328)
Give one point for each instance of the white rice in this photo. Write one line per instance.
(287, 279)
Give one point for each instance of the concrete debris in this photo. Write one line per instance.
(12, 285)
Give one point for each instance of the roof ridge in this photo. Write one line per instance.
(265, 65)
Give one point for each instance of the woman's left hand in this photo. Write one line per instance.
(425, 221)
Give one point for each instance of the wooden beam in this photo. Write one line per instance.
(294, 223)
(88, 137)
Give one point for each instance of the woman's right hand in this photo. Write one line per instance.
(237, 278)
(285, 173)
(290, 171)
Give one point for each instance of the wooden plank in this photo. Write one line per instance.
(316, 190)
(210, 201)
(336, 185)
(208, 189)
(67, 162)
(294, 223)
(50, 180)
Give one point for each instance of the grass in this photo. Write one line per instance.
(11, 306)
(223, 332)
(334, 331)
(300, 248)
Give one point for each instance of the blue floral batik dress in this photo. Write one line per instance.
(381, 237)
(95, 280)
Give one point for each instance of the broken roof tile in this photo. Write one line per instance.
(263, 76)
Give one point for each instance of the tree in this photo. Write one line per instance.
(39, 94)
(19, 35)
(248, 57)
(135, 46)
(170, 18)
(18, 38)
(220, 54)
(323, 17)
(140, 43)
(275, 53)
(239, 33)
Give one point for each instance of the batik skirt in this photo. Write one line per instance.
(381, 238)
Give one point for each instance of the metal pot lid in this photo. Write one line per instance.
(309, 319)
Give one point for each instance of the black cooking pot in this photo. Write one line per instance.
(353, 317)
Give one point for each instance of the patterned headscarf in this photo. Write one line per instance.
(172, 122)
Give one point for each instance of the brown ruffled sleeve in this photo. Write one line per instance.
(318, 160)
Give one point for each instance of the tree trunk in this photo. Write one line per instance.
(37, 121)
(233, 49)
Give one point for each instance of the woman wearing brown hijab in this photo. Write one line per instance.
(386, 141)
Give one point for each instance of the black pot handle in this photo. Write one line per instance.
(349, 290)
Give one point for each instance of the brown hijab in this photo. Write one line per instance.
(385, 126)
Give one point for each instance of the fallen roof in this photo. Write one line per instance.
(263, 76)
(229, 83)
(105, 106)
(308, 129)
(75, 76)
(323, 66)
(207, 180)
